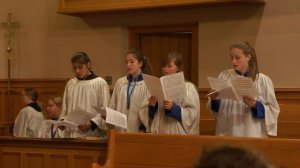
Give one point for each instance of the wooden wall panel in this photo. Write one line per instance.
(11, 103)
(49, 153)
(34, 160)
(13, 159)
(57, 160)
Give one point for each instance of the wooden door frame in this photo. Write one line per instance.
(134, 33)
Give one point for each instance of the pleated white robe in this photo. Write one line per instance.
(45, 131)
(85, 94)
(28, 122)
(138, 112)
(190, 115)
(234, 118)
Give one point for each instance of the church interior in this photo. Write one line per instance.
(38, 38)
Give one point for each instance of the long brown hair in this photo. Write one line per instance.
(146, 66)
(248, 50)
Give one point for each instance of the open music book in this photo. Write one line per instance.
(72, 120)
(168, 87)
(234, 88)
(113, 117)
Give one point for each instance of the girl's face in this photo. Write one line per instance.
(170, 68)
(52, 109)
(81, 70)
(239, 60)
(26, 99)
(133, 65)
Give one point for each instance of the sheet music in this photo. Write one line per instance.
(167, 87)
(116, 118)
(225, 91)
(217, 84)
(234, 88)
(244, 87)
(154, 86)
(101, 110)
(174, 86)
(79, 116)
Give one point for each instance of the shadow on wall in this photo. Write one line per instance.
(172, 16)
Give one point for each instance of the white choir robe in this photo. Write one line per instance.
(85, 94)
(28, 122)
(46, 132)
(190, 115)
(234, 118)
(138, 112)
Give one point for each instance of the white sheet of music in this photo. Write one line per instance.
(116, 118)
(244, 87)
(217, 84)
(173, 85)
(154, 86)
(168, 87)
(223, 87)
(234, 88)
(79, 116)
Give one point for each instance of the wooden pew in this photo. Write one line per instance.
(50, 153)
(169, 151)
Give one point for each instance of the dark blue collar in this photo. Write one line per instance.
(139, 78)
(89, 77)
(35, 106)
(241, 74)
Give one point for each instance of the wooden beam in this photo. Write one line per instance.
(87, 6)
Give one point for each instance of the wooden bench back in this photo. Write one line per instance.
(128, 150)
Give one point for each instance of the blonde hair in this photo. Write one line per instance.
(57, 100)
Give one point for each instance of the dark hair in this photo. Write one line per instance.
(81, 58)
(173, 56)
(231, 157)
(32, 93)
(248, 50)
(146, 67)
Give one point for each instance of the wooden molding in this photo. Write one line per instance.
(86, 6)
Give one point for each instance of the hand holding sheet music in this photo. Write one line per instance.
(113, 117)
(168, 87)
(77, 117)
(234, 88)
